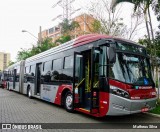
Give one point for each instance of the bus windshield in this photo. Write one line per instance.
(131, 68)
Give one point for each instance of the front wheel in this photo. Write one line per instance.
(68, 102)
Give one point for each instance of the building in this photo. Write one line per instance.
(4, 60)
(85, 22)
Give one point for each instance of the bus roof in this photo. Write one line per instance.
(12, 66)
(82, 40)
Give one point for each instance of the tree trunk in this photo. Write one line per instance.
(150, 43)
(154, 45)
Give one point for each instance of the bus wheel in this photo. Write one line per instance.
(29, 93)
(68, 102)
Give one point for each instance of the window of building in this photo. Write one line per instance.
(51, 30)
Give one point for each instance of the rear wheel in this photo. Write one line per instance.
(68, 102)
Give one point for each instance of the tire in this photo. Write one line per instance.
(68, 102)
(29, 93)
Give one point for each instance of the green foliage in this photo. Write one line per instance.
(150, 47)
(11, 63)
(156, 8)
(23, 54)
(26, 53)
(96, 27)
(157, 109)
(145, 42)
(67, 26)
(63, 39)
(137, 3)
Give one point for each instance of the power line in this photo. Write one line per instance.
(68, 9)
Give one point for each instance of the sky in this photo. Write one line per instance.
(18, 15)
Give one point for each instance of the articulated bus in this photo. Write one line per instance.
(3, 79)
(95, 74)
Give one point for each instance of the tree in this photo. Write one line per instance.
(156, 8)
(26, 53)
(140, 5)
(46, 44)
(97, 27)
(136, 19)
(110, 23)
(106, 22)
(23, 54)
(144, 6)
(68, 26)
(63, 39)
(11, 63)
(150, 50)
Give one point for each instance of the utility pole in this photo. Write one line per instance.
(40, 36)
(68, 9)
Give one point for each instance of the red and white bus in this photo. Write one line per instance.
(95, 74)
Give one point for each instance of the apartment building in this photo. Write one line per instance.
(4, 60)
(85, 22)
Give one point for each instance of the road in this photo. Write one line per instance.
(18, 108)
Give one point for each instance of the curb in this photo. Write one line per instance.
(151, 114)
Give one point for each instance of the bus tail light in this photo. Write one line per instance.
(119, 92)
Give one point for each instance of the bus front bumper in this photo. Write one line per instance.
(122, 106)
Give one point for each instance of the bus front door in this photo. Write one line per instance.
(94, 83)
(86, 80)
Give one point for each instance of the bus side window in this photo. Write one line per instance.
(68, 69)
(31, 74)
(56, 69)
(46, 73)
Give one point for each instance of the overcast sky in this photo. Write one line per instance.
(18, 15)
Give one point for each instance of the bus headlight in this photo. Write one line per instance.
(119, 92)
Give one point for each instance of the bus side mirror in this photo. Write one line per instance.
(112, 55)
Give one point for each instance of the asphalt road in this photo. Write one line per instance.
(18, 108)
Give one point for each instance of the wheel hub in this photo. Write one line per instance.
(69, 101)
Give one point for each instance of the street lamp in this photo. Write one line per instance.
(32, 35)
(29, 33)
